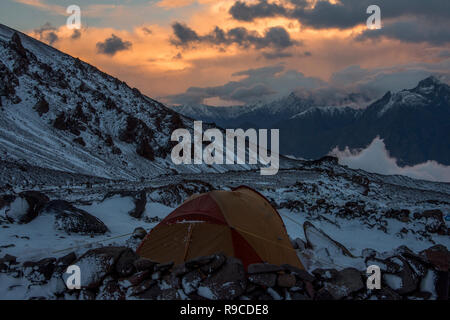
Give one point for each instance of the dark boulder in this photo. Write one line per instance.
(263, 268)
(73, 220)
(345, 283)
(139, 205)
(96, 264)
(41, 107)
(264, 279)
(125, 264)
(227, 283)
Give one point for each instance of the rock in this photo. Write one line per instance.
(301, 245)
(9, 259)
(199, 262)
(39, 271)
(368, 253)
(36, 201)
(171, 294)
(180, 270)
(86, 294)
(73, 220)
(139, 233)
(317, 239)
(389, 265)
(96, 264)
(163, 267)
(286, 280)
(26, 206)
(263, 268)
(139, 205)
(217, 261)
(143, 264)
(264, 279)
(323, 295)
(433, 214)
(325, 274)
(41, 107)
(385, 293)
(138, 278)
(64, 262)
(299, 273)
(299, 296)
(401, 215)
(226, 284)
(144, 286)
(438, 256)
(125, 264)
(110, 290)
(346, 282)
(191, 281)
(151, 292)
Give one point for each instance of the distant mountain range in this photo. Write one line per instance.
(414, 123)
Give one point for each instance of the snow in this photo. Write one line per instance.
(206, 292)
(393, 281)
(428, 282)
(39, 238)
(18, 209)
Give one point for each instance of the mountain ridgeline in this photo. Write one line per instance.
(60, 113)
(414, 123)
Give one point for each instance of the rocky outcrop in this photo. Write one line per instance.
(116, 273)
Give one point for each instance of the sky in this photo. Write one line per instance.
(228, 52)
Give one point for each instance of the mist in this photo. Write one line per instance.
(376, 159)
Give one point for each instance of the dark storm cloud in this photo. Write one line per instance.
(183, 35)
(257, 84)
(47, 33)
(414, 30)
(76, 34)
(113, 45)
(344, 14)
(275, 37)
(243, 12)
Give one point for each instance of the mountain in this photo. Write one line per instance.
(413, 123)
(259, 115)
(60, 113)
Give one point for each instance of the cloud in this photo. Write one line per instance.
(147, 31)
(42, 5)
(274, 37)
(170, 4)
(262, 9)
(444, 54)
(340, 14)
(47, 33)
(113, 45)
(375, 158)
(258, 84)
(374, 83)
(76, 34)
(411, 30)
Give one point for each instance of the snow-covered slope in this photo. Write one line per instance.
(60, 113)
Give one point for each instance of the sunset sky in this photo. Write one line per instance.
(226, 52)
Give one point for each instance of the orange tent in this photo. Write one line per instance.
(240, 223)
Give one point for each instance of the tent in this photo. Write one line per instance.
(240, 223)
